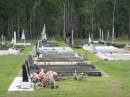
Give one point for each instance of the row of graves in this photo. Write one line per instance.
(108, 51)
(63, 60)
(13, 48)
(49, 63)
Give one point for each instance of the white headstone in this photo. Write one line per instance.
(43, 33)
(2, 40)
(23, 36)
(113, 35)
(14, 42)
(100, 34)
(89, 39)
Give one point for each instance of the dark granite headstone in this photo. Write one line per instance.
(24, 73)
(28, 67)
(30, 60)
(37, 46)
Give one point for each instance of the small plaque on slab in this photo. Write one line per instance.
(26, 85)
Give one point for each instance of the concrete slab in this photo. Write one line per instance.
(9, 52)
(25, 44)
(114, 56)
(15, 85)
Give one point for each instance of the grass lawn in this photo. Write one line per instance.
(117, 85)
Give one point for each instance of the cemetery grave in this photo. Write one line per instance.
(20, 45)
(14, 48)
(109, 52)
(5, 48)
(75, 43)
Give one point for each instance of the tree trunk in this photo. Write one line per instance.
(18, 27)
(64, 29)
(129, 27)
(30, 27)
(8, 31)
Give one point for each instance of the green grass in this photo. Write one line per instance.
(121, 41)
(116, 85)
(9, 68)
(27, 50)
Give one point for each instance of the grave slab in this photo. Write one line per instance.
(15, 86)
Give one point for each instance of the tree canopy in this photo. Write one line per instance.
(61, 16)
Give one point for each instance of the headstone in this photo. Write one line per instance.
(36, 49)
(72, 38)
(43, 34)
(14, 41)
(108, 35)
(30, 60)
(100, 34)
(89, 39)
(23, 36)
(113, 35)
(28, 68)
(2, 40)
(24, 73)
